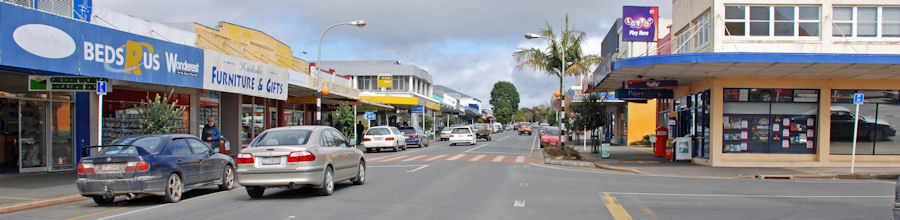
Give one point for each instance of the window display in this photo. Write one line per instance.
(771, 121)
(877, 117)
(121, 116)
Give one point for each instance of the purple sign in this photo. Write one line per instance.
(640, 23)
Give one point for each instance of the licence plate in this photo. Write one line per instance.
(378, 138)
(111, 168)
(270, 160)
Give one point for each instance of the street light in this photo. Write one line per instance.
(357, 23)
(562, 73)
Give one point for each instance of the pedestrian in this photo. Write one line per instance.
(210, 133)
(359, 132)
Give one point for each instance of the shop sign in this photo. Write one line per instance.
(652, 84)
(432, 105)
(577, 95)
(640, 23)
(334, 87)
(237, 75)
(64, 83)
(294, 100)
(418, 109)
(40, 41)
(449, 100)
(632, 94)
(384, 81)
(369, 116)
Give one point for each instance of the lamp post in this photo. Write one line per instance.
(562, 49)
(319, 95)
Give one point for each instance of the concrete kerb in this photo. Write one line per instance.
(41, 203)
(589, 163)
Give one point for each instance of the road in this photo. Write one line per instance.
(474, 182)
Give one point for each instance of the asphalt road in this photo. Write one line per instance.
(457, 182)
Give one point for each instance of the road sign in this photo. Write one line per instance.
(369, 115)
(418, 109)
(101, 87)
(858, 98)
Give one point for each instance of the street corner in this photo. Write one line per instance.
(30, 203)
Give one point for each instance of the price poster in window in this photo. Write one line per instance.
(810, 122)
(810, 133)
(809, 145)
(727, 121)
(802, 138)
(743, 135)
(744, 146)
(785, 133)
(786, 122)
(776, 128)
(745, 124)
(785, 144)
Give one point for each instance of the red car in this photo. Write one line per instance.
(551, 137)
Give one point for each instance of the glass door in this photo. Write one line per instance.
(33, 144)
(63, 136)
(9, 135)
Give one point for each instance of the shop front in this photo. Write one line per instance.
(778, 110)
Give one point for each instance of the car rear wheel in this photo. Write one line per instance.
(360, 174)
(174, 188)
(103, 200)
(327, 183)
(369, 150)
(396, 149)
(227, 178)
(255, 192)
(403, 147)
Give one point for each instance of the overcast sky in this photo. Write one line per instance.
(465, 44)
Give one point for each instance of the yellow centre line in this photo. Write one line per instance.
(97, 213)
(618, 212)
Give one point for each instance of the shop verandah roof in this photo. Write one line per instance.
(688, 68)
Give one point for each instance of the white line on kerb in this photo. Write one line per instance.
(416, 169)
(416, 157)
(456, 157)
(498, 158)
(747, 196)
(476, 158)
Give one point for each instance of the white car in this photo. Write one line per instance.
(384, 137)
(445, 133)
(462, 135)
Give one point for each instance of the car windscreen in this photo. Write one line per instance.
(526, 124)
(461, 131)
(150, 144)
(479, 126)
(408, 131)
(447, 129)
(378, 131)
(282, 137)
(552, 132)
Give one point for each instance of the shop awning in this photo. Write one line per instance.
(692, 67)
(393, 100)
(378, 106)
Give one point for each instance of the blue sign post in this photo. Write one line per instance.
(369, 116)
(418, 109)
(101, 91)
(858, 99)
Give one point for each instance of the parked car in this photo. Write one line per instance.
(497, 127)
(162, 165)
(415, 136)
(842, 126)
(445, 133)
(896, 212)
(299, 156)
(551, 137)
(543, 128)
(483, 131)
(379, 137)
(525, 127)
(462, 135)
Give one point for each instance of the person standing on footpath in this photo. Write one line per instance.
(359, 132)
(210, 133)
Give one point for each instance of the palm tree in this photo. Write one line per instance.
(549, 60)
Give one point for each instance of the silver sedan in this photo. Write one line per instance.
(299, 156)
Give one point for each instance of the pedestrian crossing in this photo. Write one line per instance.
(456, 157)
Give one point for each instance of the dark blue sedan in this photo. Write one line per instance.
(161, 165)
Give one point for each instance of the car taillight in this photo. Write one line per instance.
(414, 136)
(470, 135)
(85, 168)
(389, 139)
(367, 139)
(298, 156)
(137, 166)
(245, 158)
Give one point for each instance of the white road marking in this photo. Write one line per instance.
(503, 138)
(520, 159)
(484, 152)
(532, 145)
(474, 148)
(416, 169)
(476, 158)
(435, 157)
(132, 212)
(456, 157)
(395, 158)
(523, 185)
(746, 196)
(498, 158)
(384, 166)
(416, 157)
(519, 204)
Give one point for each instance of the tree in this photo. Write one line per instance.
(519, 116)
(591, 115)
(344, 118)
(505, 100)
(157, 116)
(451, 119)
(428, 123)
(550, 60)
(551, 119)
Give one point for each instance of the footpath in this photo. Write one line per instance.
(640, 160)
(32, 190)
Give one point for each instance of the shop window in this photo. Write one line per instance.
(121, 109)
(770, 121)
(876, 134)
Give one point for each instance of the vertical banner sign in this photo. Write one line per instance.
(640, 23)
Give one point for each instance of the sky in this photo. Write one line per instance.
(466, 45)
